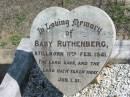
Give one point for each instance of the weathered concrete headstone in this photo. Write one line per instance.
(71, 47)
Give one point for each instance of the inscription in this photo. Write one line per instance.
(72, 80)
(71, 71)
(46, 53)
(75, 22)
(71, 43)
(43, 43)
(81, 43)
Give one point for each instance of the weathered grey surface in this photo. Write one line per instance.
(121, 52)
(79, 41)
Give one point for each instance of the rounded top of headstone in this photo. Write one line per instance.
(71, 47)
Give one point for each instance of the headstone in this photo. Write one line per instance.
(71, 47)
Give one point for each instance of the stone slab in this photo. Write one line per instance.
(71, 47)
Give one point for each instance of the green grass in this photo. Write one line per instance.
(19, 18)
(15, 39)
(67, 1)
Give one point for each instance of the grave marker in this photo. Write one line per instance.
(71, 47)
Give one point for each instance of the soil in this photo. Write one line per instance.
(16, 17)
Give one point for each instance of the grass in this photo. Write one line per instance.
(15, 39)
(20, 19)
(67, 1)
